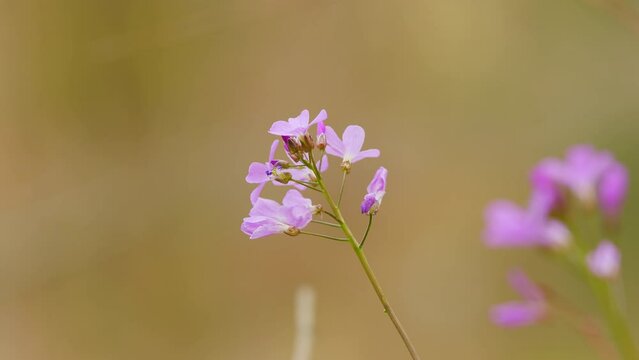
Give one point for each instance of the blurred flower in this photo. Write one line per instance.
(268, 217)
(546, 194)
(530, 310)
(508, 225)
(583, 169)
(376, 190)
(605, 260)
(612, 190)
(297, 126)
(350, 146)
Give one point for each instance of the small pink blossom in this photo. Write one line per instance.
(349, 148)
(605, 260)
(268, 217)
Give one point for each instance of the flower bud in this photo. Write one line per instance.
(307, 143)
(321, 135)
(283, 177)
(316, 209)
(294, 148)
(292, 231)
(604, 261)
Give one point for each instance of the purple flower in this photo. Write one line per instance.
(321, 135)
(583, 169)
(297, 126)
(268, 217)
(376, 190)
(508, 225)
(605, 260)
(591, 175)
(612, 190)
(350, 146)
(530, 310)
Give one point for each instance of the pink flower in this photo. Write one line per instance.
(594, 177)
(508, 225)
(605, 260)
(267, 217)
(350, 146)
(376, 190)
(297, 126)
(530, 310)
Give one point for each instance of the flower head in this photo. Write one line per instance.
(605, 260)
(376, 190)
(297, 126)
(268, 217)
(508, 225)
(530, 310)
(350, 146)
(583, 169)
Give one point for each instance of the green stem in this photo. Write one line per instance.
(326, 223)
(367, 268)
(323, 236)
(304, 184)
(341, 189)
(368, 228)
(617, 323)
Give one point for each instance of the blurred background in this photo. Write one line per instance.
(127, 128)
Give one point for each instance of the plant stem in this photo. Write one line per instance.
(368, 228)
(323, 236)
(326, 223)
(617, 324)
(365, 265)
(341, 189)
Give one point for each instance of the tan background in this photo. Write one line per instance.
(127, 128)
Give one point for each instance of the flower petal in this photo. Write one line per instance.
(255, 194)
(320, 117)
(371, 153)
(282, 128)
(353, 139)
(257, 173)
(613, 189)
(334, 145)
(525, 287)
(271, 154)
(517, 314)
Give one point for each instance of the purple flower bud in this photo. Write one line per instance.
(321, 135)
(376, 190)
(612, 190)
(605, 260)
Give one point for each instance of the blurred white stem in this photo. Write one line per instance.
(304, 323)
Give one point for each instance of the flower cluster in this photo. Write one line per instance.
(586, 182)
(301, 170)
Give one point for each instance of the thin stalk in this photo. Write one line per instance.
(326, 223)
(341, 189)
(330, 214)
(368, 228)
(323, 236)
(366, 266)
(617, 323)
(304, 184)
